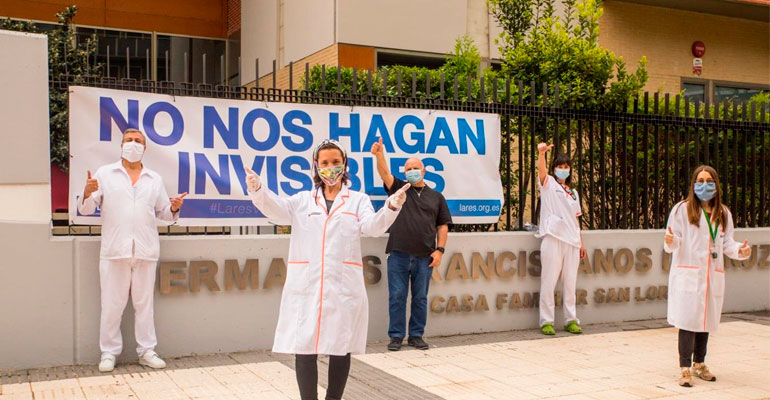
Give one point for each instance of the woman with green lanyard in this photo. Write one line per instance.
(699, 233)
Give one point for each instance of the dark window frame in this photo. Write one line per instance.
(711, 85)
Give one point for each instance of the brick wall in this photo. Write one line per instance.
(327, 56)
(737, 50)
(233, 16)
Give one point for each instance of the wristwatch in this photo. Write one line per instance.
(441, 249)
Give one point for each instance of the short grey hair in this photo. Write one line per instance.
(130, 130)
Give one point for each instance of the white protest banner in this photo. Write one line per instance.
(201, 146)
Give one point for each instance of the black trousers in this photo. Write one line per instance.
(306, 366)
(692, 343)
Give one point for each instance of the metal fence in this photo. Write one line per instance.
(632, 164)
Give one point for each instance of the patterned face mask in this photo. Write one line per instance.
(331, 175)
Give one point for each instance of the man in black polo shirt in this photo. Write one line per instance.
(415, 245)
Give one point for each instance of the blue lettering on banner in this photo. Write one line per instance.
(474, 208)
(300, 131)
(418, 136)
(109, 113)
(228, 133)
(273, 128)
(441, 136)
(176, 119)
(353, 131)
(377, 126)
(219, 208)
(280, 142)
(463, 207)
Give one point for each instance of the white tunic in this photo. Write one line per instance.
(129, 212)
(324, 308)
(559, 209)
(696, 281)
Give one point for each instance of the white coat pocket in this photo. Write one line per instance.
(686, 279)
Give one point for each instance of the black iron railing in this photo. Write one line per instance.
(632, 163)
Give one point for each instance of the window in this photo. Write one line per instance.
(234, 61)
(719, 91)
(694, 91)
(186, 59)
(722, 93)
(123, 54)
(411, 60)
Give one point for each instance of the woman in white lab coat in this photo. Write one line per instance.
(324, 308)
(699, 233)
(562, 245)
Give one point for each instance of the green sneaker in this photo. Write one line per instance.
(573, 327)
(547, 329)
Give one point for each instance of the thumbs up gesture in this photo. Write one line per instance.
(253, 183)
(745, 250)
(176, 202)
(92, 185)
(397, 200)
(542, 147)
(377, 148)
(669, 236)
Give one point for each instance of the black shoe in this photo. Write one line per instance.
(417, 342)
(395, 344)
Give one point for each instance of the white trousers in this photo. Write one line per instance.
(557, 258)
(118, 279)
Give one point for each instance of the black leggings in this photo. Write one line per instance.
(306, 366)
(692, 343)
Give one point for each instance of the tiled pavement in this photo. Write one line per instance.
(611, 361)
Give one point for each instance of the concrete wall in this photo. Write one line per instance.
(308, 27)
(36, 292)
(24, 79)
(259, 29)
(24, 160)
(419, 25)
(737, 49)
(50, 290)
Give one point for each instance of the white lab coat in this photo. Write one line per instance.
(696, 281)
(324, 308)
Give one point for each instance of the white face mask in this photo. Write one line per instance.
(132, 151)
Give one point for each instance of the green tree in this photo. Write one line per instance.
(538, 46)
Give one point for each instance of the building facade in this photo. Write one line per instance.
(369, 33)
(195, 41)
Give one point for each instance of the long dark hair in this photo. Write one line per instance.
(694, 204)
(562, 159)
(316, 178)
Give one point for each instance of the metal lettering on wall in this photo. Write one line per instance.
(177, 277)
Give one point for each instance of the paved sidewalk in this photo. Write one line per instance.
(634, 360)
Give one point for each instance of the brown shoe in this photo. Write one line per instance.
(701, 371)
(686, 378)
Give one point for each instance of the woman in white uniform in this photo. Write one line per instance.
(562, 246)
(324, 308)
(699, 233)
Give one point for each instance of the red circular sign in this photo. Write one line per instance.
(698, 49)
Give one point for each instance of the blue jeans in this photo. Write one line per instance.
(404, 269)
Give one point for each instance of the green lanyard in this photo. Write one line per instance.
(712, 232)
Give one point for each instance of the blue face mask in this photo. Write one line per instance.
(413, 176)
(705, 191)
(561, 173)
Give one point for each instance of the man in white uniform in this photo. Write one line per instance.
(131, 198)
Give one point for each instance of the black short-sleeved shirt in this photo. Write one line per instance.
(414, 231)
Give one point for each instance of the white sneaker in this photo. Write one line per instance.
(152, 359)
(107, 364)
